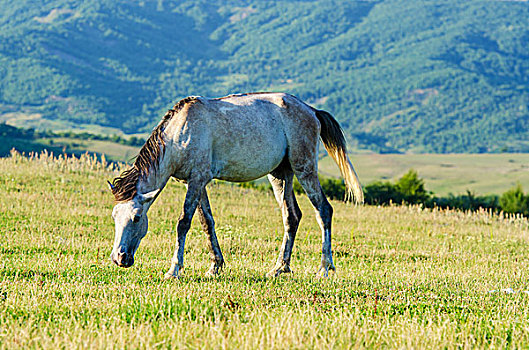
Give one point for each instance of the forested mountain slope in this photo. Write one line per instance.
(400, 75)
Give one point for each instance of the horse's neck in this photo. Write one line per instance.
(156, 179)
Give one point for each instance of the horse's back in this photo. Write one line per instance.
(292, 114)
(247, 137)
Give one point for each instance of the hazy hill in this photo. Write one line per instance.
(437, 76)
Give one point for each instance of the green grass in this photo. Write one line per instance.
(405, 277)
(443, 173)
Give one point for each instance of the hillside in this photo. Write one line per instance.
(401, 76)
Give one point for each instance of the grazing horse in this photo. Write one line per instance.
(235, 138)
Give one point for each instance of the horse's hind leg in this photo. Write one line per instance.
(281, 180)
(208, 225)
(311, 185)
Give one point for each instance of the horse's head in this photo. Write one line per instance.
(130, 218)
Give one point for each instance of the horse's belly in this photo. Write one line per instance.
(248, 158)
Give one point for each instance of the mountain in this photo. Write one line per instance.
(399, 75)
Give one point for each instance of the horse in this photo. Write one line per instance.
(236, 138)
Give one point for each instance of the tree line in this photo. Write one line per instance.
(410, 190)
(8, 131)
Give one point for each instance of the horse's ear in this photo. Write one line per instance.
(149, 196)
(110, 186)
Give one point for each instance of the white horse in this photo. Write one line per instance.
(235, 138)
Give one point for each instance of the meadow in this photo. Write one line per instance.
(406, 277)
(483, 174)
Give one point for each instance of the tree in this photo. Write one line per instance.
(515, 201)
(412, 188)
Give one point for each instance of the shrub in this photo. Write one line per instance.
(515, 201)
(382, 193)
(468, 201)
(411, 188)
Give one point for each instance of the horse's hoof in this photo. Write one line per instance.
(170, 276)
(273, 273)
(278, 271)
(323, 272)
(215, 268)
(212, 272)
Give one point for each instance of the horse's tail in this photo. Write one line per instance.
(334, 141)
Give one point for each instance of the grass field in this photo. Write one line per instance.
(405, 277)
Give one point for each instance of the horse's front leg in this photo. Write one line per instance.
(208, 225)
(194, 190)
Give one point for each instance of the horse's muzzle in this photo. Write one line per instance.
(123, 259)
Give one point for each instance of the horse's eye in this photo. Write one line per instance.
(136, 218)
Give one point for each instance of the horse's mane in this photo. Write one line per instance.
(148, 159)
